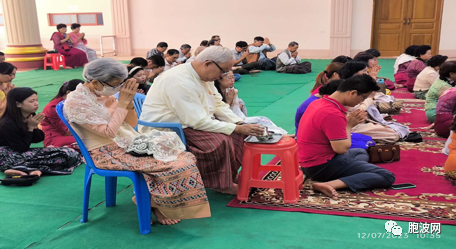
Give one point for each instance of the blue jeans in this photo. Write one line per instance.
(237, 77)
(267, 64)
(353, 169)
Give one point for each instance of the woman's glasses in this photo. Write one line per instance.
(117, 87)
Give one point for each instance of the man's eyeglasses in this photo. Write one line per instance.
(223, 72)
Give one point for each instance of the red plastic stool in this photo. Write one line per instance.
(292, 176)
(56, 60)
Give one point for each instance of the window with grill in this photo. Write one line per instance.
(85, 19)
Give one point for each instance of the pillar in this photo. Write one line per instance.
(23, 48)
(341, 24)
(121, 26)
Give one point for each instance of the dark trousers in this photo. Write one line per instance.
(353, 169)
(246, 68)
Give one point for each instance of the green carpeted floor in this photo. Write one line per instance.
(47, 215)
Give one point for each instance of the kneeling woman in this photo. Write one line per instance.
(18, 129)
(56, 132)
(105, 126)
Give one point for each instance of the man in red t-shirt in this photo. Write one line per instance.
(324, 141)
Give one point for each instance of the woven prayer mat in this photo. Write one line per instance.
(421, 164)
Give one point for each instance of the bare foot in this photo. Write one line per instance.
(326, 189)
(398, 85)
(255, 71)
(230, 191)
(430, 127)
(162, 219)
(36, 173)
(12, 172)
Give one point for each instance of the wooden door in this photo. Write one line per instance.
(423, 23)
(398, 24)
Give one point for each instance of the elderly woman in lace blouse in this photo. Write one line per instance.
(105, 126)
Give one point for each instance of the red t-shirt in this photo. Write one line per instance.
(323, 121)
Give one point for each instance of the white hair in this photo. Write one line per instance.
(104, 69)
(218, 54)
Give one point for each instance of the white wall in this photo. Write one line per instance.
(93, 33)
(448, 29)
(179, 22)
(44, 7)
(361, 25)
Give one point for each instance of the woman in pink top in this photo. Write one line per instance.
(423, 54)
(80, 42)
(56, 133)
(105, 124)
(62, 42)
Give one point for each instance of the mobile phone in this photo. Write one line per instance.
(403, 186)
(381, 81)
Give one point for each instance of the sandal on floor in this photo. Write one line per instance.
(27, 180)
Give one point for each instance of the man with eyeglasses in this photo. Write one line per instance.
(184, 53)
(289, 61)
(170, 58)
(214, 133)
(258, 53)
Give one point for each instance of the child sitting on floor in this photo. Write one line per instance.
(225, 87)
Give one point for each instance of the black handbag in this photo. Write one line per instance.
(413, 137)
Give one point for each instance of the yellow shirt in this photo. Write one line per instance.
(2, 96)
(180, 96)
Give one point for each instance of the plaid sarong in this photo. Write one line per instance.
(218, 156)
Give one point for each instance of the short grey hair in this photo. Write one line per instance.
(104, 69)
(292, 44)
(184, 46)
(218, 54)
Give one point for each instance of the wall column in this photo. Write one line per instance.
(341, 24)
(23, 48)
(121, 26)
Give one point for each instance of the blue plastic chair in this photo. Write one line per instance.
(140, 185)
(138, 102)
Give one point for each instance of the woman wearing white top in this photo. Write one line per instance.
(225, 86)
(425, 79)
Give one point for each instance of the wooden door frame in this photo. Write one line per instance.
(439, 31)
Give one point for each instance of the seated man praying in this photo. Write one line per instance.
(186, 94)
(289, 61)
(159, 50)
(155, 66)
(170, 58)
(184, 53)
(258, 53)
(240, 53)
(324, 141)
